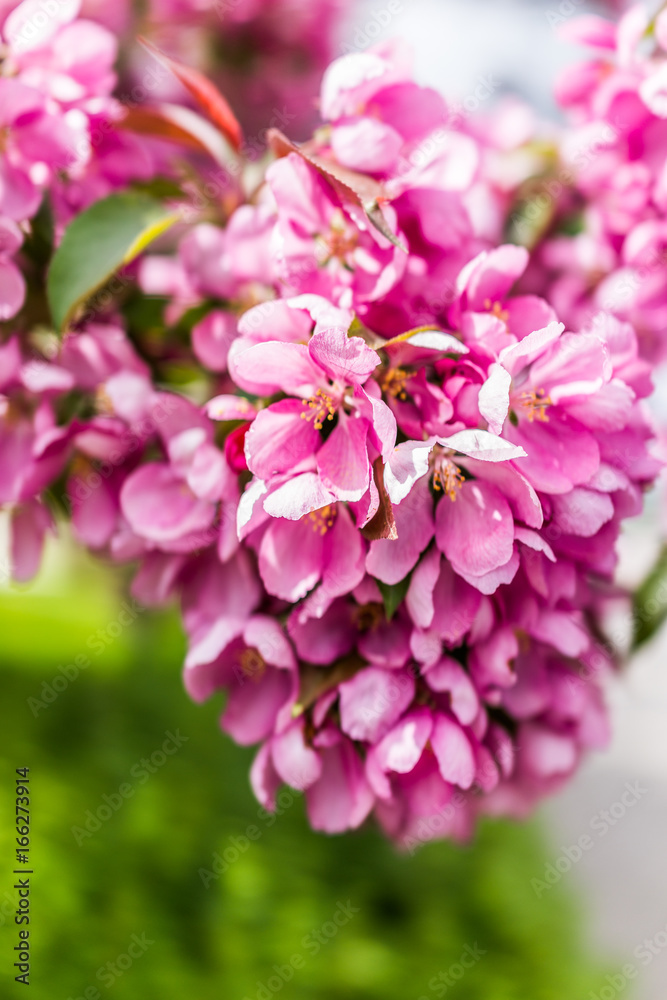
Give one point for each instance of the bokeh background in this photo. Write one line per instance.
(146, 872)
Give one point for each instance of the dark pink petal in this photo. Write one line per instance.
(344, 555)
(419, 598)
(266, 636)
(280, 439)
(211, 339)
(324, 640)
(341, 799)
(12, 289)
(516, 489)
(545, 753)
(253, 705)
(95, 511)
(391, 560)
(291, 558)
(449, 676)
(494, 275)
(264, 778)
(29, 524)
(558, 455)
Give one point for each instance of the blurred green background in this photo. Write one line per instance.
(139, 874)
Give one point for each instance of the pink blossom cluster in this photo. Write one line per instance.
(389, 502)
(266, 55)
(57, 127)
(611, 186)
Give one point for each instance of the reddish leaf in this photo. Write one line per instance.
(153, 121)
(352, 187)
(204, 92)
(178, 124)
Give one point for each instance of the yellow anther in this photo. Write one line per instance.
(448, 478)
(536, 403)
(252, 664)
(319, 408)
(496, 309)
(323, 519)
(393, 382)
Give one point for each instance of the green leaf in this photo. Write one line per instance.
(393, 594)
(97, 243)
(650, 603)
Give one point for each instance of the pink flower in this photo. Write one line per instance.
(325, 381)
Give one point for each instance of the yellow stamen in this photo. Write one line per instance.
(448, 478)
(496, 309)
(321, 407)
(536, 403)
(393, 383)
(252, 664)
(324, 519)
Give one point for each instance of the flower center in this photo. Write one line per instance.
(252, 664)
(536, 403)
(369, 616)
(393, 382)
(319, 408)
(339, 242)
(323, 519)
(496, 309)
(447, 477)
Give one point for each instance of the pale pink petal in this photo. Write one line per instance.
(453, 752)
(494, 398)
(297, 497)
(476, 530)
(373, 700)
(342, 461)
(346, 358)
(160, 507)
(267, 368)
(296, 763)
(449, 676)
